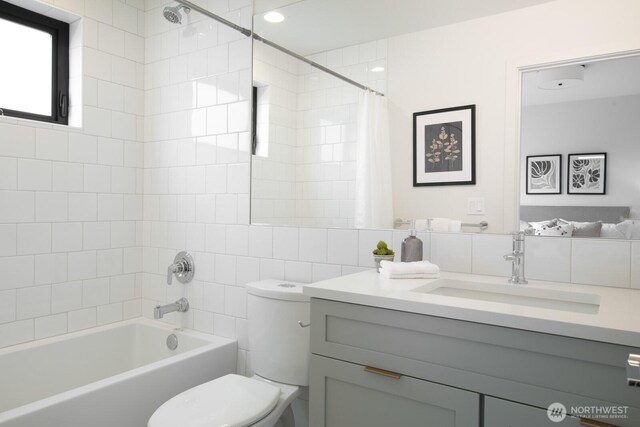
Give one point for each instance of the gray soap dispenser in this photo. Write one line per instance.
(411, 246)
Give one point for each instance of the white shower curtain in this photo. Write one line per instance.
(373, 198)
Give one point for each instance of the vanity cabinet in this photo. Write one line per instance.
(359, 396)
(447, 366)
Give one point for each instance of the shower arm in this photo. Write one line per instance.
(249, 33)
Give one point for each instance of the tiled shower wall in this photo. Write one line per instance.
(70, 198)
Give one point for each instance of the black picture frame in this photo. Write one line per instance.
(452, 132)
(545, 173)
(581, 178)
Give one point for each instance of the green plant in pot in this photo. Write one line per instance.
(382, 252)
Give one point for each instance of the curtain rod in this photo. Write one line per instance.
(249, 33)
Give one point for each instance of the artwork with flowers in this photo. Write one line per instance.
(587, 173)
(444, 146)
(544, 174)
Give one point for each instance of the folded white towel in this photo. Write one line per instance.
(416, 267)
(455, 226)
(440, 224)
(422, 224)
(387, 275)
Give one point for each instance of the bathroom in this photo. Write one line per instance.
(156, 158)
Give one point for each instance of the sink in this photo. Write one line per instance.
(514, 294)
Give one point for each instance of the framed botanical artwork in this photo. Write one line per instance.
(444, 147)
(587, 173)
(544, 174)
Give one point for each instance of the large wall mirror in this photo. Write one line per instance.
(578, 133)
(580, 150)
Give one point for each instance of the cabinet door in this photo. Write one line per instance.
(345, 395)
(502, 413)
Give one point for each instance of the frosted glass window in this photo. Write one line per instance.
(26, 73)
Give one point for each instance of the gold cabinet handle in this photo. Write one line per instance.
(382, 372)
(593, 423)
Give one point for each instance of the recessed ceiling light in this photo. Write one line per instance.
(273, 17)
(377, 69)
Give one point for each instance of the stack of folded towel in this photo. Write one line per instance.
(409, 270)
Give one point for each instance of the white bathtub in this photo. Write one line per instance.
(114, 375)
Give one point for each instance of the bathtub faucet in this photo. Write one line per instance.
(180, 306)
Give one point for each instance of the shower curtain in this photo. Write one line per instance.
(373, 196)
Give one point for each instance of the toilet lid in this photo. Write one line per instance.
(229, 401)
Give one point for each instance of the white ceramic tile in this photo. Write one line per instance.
(213, 296)
(298, 271)
(68, 177)
(17, 206)
(52, 144)
(312, 244)
(34, 174)
(110, 207)
(225, 269)
(83, 207)
(16, 332)
(488, 254)
(285, 243)
(216, 238)
(50, 268)
(109, 313)
(548, 258)
(196, 237)
(8, 173)
(81, 265)
(247, 270)
(7, 306)
(33, 302)
(342, 247)
(23, 264)
(99, 10)
(599, 262)
(109, 262)
(110, 151)
(34, 238)
(237, 240)
(97, 179)
(81, 319)
(271, 269)
(261, 241)
(235, 301)
(50, 326)
(123, 234)
(368, 241)
(224, 326)
(95, 292)
(452, 252)
(67, 237)
(83, 148)
(17, 141)
(8, 239)
(66, 297)
(238, 178)
(226, 208)
(51, 207)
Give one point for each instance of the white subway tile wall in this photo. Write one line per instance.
(71, 197)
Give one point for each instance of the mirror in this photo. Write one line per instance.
(580, 151)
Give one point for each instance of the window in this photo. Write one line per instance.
(34, 75)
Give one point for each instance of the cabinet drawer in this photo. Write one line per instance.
(518, 365)
(345, 395)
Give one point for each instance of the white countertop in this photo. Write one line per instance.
(617, 320)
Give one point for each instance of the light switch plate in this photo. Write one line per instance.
(475, 206)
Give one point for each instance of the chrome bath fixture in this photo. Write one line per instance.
(183, 267)
(517, 260)
(180, 306)
(173, 15)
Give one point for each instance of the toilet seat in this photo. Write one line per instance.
(230, 401)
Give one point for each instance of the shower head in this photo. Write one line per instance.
(173, 15)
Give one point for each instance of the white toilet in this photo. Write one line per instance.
(277, 315)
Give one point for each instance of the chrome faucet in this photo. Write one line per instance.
(180, 306)
(517, 260)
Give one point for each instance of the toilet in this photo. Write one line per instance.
(278, 316)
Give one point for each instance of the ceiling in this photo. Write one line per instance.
(313, 26)
(602, 79)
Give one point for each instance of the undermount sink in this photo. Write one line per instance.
(514, 294)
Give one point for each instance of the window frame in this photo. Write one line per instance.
(59, 32)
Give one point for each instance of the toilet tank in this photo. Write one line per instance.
(279, 346)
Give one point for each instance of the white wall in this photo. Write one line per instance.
(469, 63)
(607, 125)
(71, 198)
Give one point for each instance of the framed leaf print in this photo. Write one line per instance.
(444, 146)
(544, 174)
(587, 173)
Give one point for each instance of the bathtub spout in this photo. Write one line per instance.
(180, 306)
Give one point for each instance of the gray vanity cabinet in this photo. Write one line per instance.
(372, 398)
(446, 372)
